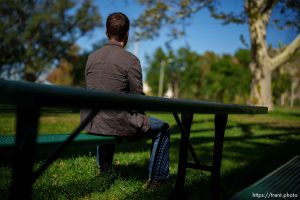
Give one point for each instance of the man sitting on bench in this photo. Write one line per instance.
(112, 68)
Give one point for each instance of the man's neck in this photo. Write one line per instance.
(121, 43)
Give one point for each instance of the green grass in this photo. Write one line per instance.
(254, 145)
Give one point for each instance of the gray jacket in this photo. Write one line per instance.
(112, 68)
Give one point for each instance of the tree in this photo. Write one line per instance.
(36, 34)
(287, 81)
(208, 76)
(262, 65)
(256, 14)
(79, 59)
(189, 73)
(153, 71)
(281, 86)
(228, 80)
(181, 72)
(62, 75)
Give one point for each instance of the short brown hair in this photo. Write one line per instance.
(117, 26)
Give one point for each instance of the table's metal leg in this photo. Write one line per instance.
(186, 121)
(64, 145)
(220, 125)
(25, 152)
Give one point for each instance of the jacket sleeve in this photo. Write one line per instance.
(135, 77)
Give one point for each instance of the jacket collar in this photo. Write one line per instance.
(112, 42)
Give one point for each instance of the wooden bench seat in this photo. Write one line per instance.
(284, 182)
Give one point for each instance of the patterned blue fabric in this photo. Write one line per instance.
(159, 158)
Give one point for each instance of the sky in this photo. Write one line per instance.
(202, 34)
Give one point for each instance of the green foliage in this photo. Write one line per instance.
(281, 84)
(78, 69)
(182, 71)
(153, 71)
(189, 73)
(79, 62)
(243, 56)
(208, 76)
(36, 34)
(228, 81)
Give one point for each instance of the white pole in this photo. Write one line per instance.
(161, 78)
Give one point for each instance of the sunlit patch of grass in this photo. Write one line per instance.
(7, 123)
(254, 146)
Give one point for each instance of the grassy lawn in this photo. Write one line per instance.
(254, 145)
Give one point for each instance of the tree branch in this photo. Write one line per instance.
(269, 5)
(267, 10)
(284, 56)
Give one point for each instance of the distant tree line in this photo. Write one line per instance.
(209, 76)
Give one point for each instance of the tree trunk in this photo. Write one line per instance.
(260, 66)
(261, 91)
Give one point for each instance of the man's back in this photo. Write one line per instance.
(107, 69)
(112, 68)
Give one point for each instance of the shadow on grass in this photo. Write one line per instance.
(258, 161)
(74, 189)
(246, 128)
(82, 148)
(254, 157)
(295, 114)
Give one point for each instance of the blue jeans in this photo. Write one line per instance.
(159, 157)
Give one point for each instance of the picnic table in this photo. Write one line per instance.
(29, 98)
